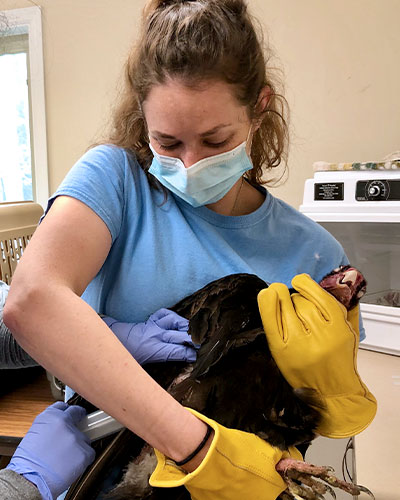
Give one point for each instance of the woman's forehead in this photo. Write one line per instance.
(208, 104)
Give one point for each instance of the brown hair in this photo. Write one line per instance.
(196, 40)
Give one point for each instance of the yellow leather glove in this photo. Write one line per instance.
(238, 465)
(314, 341)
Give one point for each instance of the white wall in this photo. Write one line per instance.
(340, 58)
(341, 62)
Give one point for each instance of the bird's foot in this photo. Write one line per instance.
(302, 485)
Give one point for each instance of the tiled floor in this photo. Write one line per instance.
(378, 447)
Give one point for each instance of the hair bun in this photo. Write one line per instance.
(153, 5)
(237, 7)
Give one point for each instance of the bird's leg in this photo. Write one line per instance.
(296, 470)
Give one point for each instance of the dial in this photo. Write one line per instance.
(374, 190)
(377, 190)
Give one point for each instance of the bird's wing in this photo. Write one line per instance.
(222, 315)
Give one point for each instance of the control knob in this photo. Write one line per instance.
(374, 190)
(377, 190)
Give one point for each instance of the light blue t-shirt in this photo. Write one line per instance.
(163, 250)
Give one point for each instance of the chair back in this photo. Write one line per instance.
(18, 222)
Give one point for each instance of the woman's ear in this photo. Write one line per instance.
(261, 105)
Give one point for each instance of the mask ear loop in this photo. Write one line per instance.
(144, 122)
(249, 141)
(263, 99)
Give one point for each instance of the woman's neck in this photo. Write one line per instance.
(242, 199)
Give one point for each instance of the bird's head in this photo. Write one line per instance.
(346, 284)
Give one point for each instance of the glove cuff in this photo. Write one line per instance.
(347, 415)
(168, 475)
(235, 461)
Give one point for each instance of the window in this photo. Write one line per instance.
(23, 149)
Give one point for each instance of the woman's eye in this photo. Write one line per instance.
(217, 144)
(169, 147)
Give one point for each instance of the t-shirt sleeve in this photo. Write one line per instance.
(99, 179)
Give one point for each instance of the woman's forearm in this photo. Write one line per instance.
(11, 354)
(66, 336)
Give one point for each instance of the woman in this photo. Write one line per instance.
(173, 201)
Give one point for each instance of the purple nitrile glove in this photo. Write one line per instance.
(53, 453)
(163, 337)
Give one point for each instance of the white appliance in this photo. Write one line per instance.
(359, 204)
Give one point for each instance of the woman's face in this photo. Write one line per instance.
(192, 123)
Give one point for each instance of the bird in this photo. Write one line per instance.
(234, 381)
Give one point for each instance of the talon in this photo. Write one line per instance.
(366, 490)
(285, 496)
(331, 491)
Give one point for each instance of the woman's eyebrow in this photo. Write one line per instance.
(212, 131)
(161, 135)
(215, 129)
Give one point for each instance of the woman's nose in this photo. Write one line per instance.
(189, 158)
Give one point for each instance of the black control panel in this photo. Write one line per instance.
(378, 190)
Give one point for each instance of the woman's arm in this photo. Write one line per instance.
(11, 354)
(65, 335)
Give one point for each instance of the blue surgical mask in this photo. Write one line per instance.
(207, 181)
